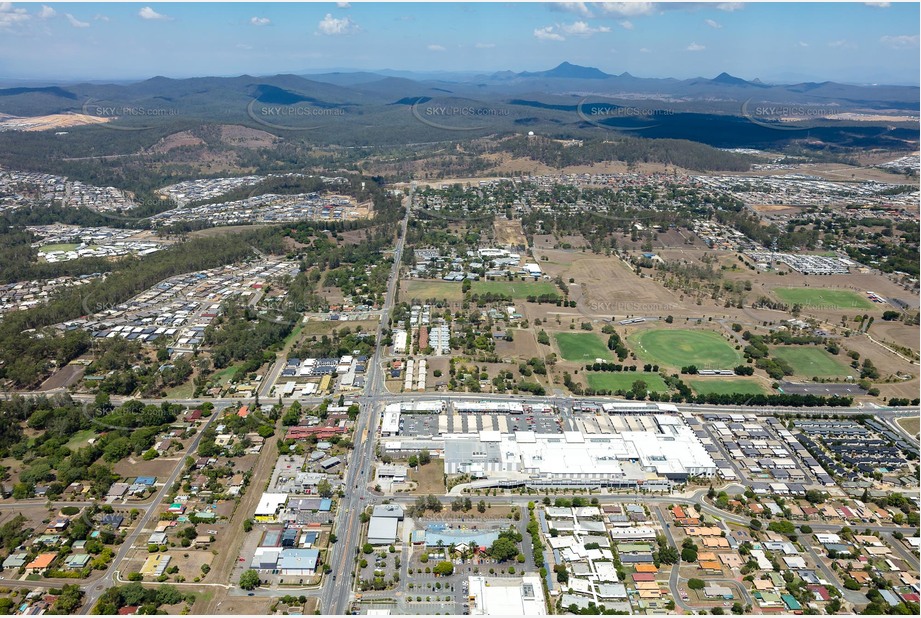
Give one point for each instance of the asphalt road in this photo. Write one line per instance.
(338, 589)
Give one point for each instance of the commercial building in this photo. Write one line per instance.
(506, 596)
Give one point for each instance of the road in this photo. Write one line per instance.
(337, 589)
(108, 580)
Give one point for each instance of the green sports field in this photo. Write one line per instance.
(451, 290)
(610, 380)
(582, 347)
(819, 299)
(680, 348)
(808, 361)
(719, 386)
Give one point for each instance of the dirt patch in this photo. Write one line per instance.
(176, 140)
(237, 135)
(63, 377)
(430, 478)
(911, 425)
(161, 467)
(509, 233)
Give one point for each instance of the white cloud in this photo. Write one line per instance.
(900, 41)
(644, 50)
(260, 21)
(626, 24)
(10, 17)
(803, 44)
(47, 12)
(343, 5)
(76, 23)
(548, 34)
(579, 8)
(101, 17)
(842, 44)
(150, 14)
(485, 45)
(713, 24)
(628, 9)
(244, 46)
(331, 26)
(436, 48)
(730, 7)
(581, 28)
(693, 47)
(879, 5)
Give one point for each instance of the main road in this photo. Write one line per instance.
(337, 588)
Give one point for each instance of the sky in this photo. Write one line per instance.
(775, 42)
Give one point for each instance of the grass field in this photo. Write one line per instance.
(680, 348)
(719, 386)
(582, 347)
(58, 247)
(613, 381)
(80, 439)
(451, 290)
(827, 300)
(911, 425)
(810, 362)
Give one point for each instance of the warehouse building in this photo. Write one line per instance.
(506, 596)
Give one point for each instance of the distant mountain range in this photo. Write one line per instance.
(375, 105)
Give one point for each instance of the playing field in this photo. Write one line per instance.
(823, 300)
(612, 381)
(582, 347)
(808, 362)
(451, 290)
(706, 386)
(680, 348)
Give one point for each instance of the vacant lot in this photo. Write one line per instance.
(613, 381)
(423, 289)
(430, 478)
(823, 300)
(719, 386)
(581, 347)
(911, 425)
(681, 348)
(811, 362)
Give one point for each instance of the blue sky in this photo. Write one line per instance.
(781, 42)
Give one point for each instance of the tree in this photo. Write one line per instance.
(503, 549)
(444, 568)
(324, 488)
(249, 579)
(424, 457)
(696, 584)
(738, 608)
(481, 506)
(247, 525)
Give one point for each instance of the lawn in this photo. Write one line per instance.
(823, 300)
(582, 347)
(681, 348)
(80, 439)
(58, 247)
(808, 362)
(706, 386)
(452, 290)
(613, 381)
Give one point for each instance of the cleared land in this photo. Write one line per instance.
(451, 290)
(911, 425)
(69, 246)
(706, 386)
(581, 347)
(681, 348)
(812, 362)
(604, 380)
(827, 300)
